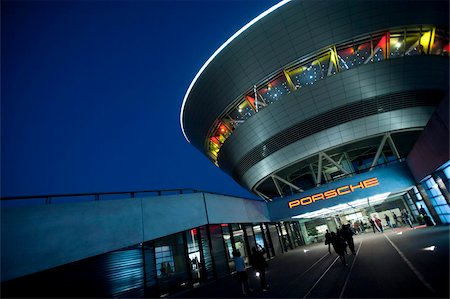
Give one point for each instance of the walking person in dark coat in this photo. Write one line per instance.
(328, 240)
(347, 234)
(259, 263)
(372, 223)
(339, 246)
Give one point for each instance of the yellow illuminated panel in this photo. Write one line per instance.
(333, 193)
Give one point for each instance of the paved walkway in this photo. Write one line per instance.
(400, 263)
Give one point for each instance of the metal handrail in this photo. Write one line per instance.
(97, 195)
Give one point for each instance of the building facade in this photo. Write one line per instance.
(313, 92)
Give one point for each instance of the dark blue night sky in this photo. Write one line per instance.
(91, 93)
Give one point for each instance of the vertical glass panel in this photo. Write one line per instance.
(207, 265)
(275, 239)
(346, 57)
(412, 42)
(250, 236)
(218, 250)
(353, 55)
(194, 254)
(446, 176)
(228, 246)
(242, 112)
(425, 41)
(311, 71)
(437, 200)
(441, 43)
(259, 237)
(397, 44)
(151, 289)
(379, 44)
(214, 146)
(171, 263)
(239, 241)
(273, 91)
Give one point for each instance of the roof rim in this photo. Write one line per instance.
(259, 17)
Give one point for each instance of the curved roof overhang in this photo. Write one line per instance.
(205, 65)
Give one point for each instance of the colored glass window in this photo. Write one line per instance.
(441, 45)
(379, 47)
(353, 55)
(310, 72)
(273, 91)
(397, 44)
(412, 42)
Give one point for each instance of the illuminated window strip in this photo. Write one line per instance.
(426, 39)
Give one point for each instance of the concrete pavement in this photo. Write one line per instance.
(399, 263)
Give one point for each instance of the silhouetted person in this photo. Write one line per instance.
(328, 240)
(395, 220)
(258, 262)
(372, 223)
(241, 272)
(388, 220)
(422, 211)
(347, 234)
(339, 246)
(406, 218)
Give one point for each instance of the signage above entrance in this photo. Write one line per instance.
(372, 182)
(364, 187)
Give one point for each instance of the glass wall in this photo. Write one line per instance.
(437, 200)
(375, 47)
(240, 241)
(170, 261)
(158, 267)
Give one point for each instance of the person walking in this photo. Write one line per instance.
(378, 224)
(259, 263)
(372, 223)
(339, 246)
(388, 220)
(406, 218)
(241, 272)
(395, 220)
(328, 240)
(347, 234)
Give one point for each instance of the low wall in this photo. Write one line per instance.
(36, 238)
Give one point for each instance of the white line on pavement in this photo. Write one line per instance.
(348, 276)
(410, 265)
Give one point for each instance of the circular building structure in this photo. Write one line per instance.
(311, 92)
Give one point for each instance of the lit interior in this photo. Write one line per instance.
(337, 58)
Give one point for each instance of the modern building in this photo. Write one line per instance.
(315, 95)
(332, 112)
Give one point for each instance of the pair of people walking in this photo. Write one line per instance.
(258, 262)
(340, 241)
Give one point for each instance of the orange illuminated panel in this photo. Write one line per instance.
(372, 182)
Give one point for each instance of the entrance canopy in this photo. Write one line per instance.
(370, 188)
